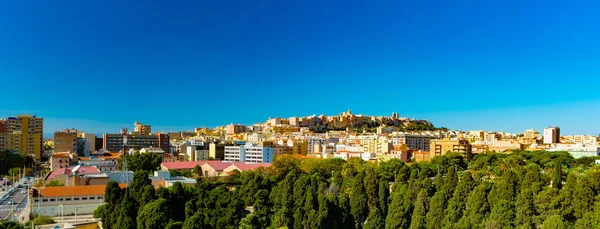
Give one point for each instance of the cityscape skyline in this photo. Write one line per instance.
(478, 120)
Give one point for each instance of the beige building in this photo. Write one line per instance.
(235, 129)
(442, 146)
(65, 141)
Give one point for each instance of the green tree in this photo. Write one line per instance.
(384, 194)
(146, 162)
(113, 193)
(553, 222)
(140, 180)
(197, 170)
(283, 201)
(128, 212)
(418, 220)
(502, 215)
(371, 185)
(477, 207)
(375, 220)
(148, 195)
(435, 215)
(557, 178)
(456, 204)
(197, 221)
(525, 210)
(358, 203)
(400, 209)
(154, 215)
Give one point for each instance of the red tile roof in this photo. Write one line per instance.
(217, 165)
(182, 164)
(81, 170)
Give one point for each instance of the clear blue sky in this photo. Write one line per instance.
(495, 65)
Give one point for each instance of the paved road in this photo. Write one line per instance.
(20, 203)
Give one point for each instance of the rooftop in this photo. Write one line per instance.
(86, 190)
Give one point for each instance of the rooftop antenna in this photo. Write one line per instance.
(124, 170)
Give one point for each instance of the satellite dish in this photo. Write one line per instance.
(75, 169)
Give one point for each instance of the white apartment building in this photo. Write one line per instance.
(250, 153)
(551, 135)
(577, 150)
(312, 141)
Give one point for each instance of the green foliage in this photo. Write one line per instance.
(180, 173)
(128, 212)
(553, 222)
(144, 161)
(492, 191)
(40, 220)
(418, 220)
(54, 183)
(10, 225)
(154, 215)
(557, 178)
(358, 203)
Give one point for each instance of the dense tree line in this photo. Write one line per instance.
(518, 190)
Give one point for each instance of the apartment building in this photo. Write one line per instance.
(442, 146)
(311, 141)
(551, 135)
(114, 142)
(415, 141)
(90, 143)
(251, 153)
(107, 162)
(235, 129)
(65, 141)
(163, 141)
(143, 129)
(23, 134)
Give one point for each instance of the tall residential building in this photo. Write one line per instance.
(163, 142)
(442, 146)
(142, 129)
(250, 153)
(114, 142)
(551, 135)
(65, 141)
(235, 129)
(2, 126)
(90, 143)
(23, 134)
(414, 141)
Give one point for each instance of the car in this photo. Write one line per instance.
(23, 192)
(10, 202)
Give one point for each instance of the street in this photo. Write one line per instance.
(20, 203)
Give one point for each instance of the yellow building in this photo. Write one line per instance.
(300, 147)
(442, 146)
(23, 134)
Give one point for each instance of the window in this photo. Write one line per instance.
(68, 199)
(77, 198)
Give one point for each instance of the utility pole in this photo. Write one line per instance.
(124, 170)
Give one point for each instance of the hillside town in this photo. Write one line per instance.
(74, 167)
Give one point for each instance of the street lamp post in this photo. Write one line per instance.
(62, 213)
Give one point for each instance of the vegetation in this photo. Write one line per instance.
(491, 191)
(55, 183)
(144, 161)
(40, 220)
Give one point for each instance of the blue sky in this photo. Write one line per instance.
(495, 65)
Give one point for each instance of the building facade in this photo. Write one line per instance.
(442, 146)
(235, 129)
(143, 129)
(114, 142)
(23, 134)
(250, 153)
(65, 141)
(552, 135)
